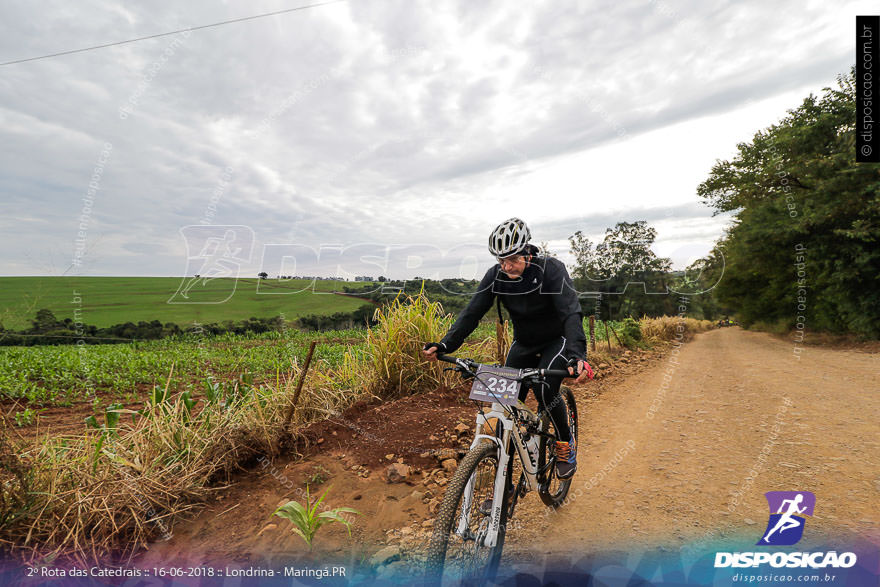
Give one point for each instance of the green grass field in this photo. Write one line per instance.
(105, 301)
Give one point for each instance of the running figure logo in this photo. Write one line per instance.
(215, 254)
(787, 511)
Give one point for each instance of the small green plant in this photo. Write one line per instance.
(188, 404)
(159, 395)
(319, 475)
(111, 419)
(306, 520)
(25, 417)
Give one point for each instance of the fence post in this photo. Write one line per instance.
(299, 384)
(607, 336)
(501, 341)
(592, 332)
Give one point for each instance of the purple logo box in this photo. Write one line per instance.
(807, 501)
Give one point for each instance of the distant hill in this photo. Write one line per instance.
(104, 301)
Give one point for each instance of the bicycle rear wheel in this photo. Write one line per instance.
(551, 488)
(465, 560)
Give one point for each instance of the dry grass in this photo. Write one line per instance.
(599, 356)
(104, 494)
(654, 331)
(668, 328)
(394, 365)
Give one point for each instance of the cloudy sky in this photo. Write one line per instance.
(364, 124)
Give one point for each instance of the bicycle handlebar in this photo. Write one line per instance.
(529, 371)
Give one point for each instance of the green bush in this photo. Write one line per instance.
(630, 332)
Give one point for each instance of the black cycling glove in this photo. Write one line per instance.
(441, 348)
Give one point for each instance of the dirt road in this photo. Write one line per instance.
(690, 460)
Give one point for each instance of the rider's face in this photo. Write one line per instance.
(513, 266)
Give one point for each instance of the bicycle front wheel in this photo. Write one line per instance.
(465, 559)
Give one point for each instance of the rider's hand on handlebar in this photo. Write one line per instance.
(582, 368)
(431, 349)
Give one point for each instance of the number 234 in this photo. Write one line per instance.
(500, 385)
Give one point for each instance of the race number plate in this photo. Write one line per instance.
(496, 384)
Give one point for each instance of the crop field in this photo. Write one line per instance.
(62, 375)
(104, 301)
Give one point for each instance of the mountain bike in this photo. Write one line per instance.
(480, 499)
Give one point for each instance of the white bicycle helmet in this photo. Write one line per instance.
(509, 238)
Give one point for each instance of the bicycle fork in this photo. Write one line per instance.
(500, 481)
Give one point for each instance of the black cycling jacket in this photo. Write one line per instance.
(542, 303)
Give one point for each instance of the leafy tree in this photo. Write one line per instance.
(699, 281)
(796, 189)
(584, 255)
(263, 275)
(44, 321)
(624, 269)
(544, 247)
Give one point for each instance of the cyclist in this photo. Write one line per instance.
(547, 323)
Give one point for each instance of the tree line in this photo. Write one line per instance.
(803, 250)
(617, 278)
(46, 329)
(621, 277)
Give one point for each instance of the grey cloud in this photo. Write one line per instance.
(596, 222)
(143, 248)
(337, 128)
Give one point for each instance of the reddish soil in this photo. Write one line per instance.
(351, 452)
(345, 455)
(61, 420)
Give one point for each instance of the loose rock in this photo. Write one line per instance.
(445, 453)
(397, 473)
(386, 555)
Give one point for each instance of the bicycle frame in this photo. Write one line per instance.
(507, 422)
(499, 412)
